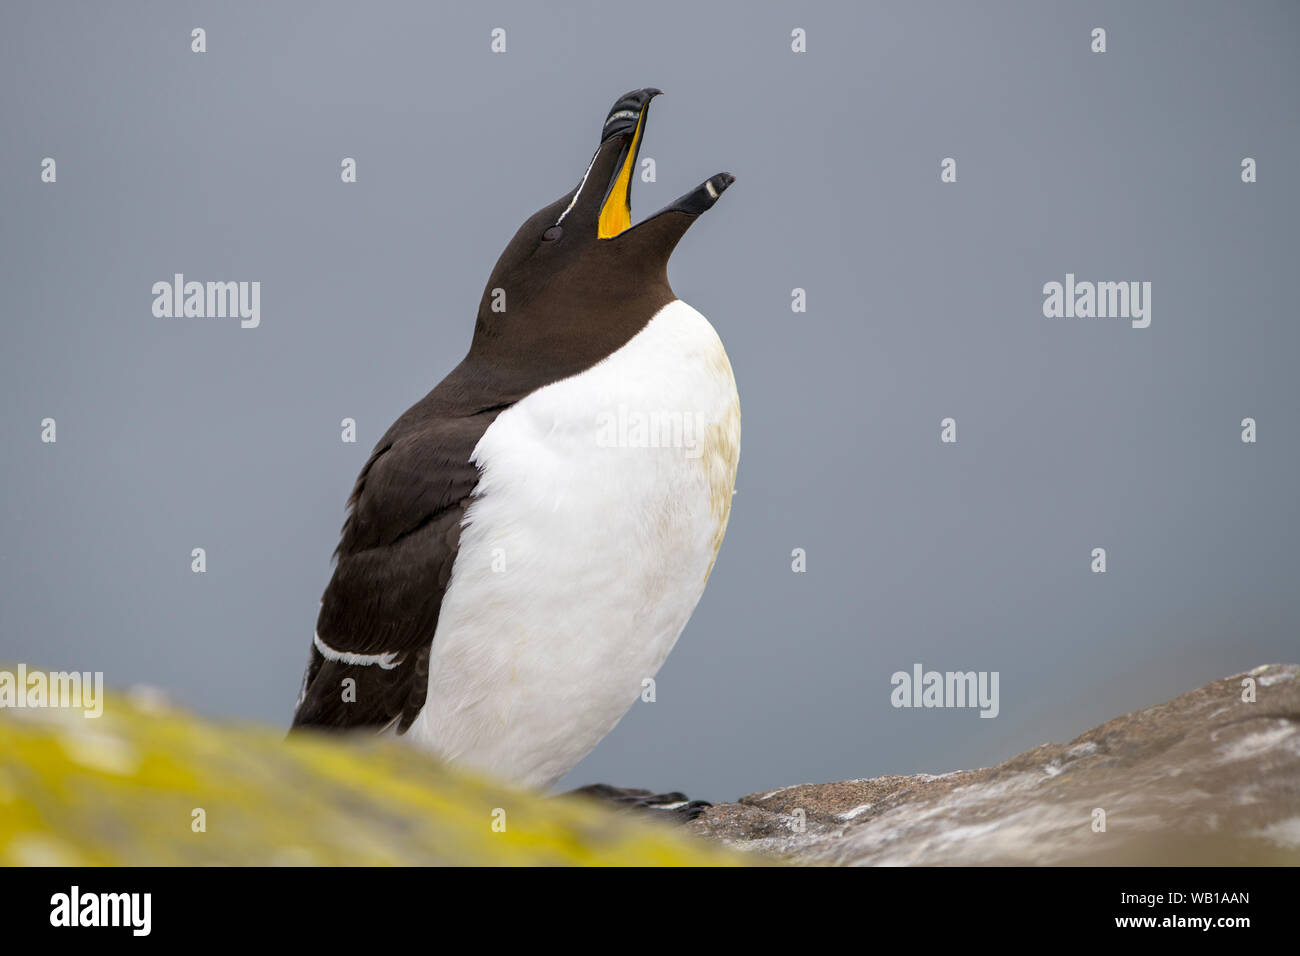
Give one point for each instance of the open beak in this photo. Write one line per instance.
(626, 122)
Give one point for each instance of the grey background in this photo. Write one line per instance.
(924, 301)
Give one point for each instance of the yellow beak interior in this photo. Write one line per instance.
(616, 214)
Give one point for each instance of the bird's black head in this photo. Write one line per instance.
(578, 279)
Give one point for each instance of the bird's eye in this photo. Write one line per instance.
(550, 235)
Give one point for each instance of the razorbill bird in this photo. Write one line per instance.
(526, 542)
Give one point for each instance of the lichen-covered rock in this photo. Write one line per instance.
(145, 784)
(1207, 778)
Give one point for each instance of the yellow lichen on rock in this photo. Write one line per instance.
(147, 785)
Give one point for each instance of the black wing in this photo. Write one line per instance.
(380, 611)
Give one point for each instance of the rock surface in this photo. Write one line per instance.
(1207, 778)
(133, 787)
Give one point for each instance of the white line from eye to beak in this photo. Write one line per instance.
(579, 192)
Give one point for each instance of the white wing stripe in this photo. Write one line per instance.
(387, 661)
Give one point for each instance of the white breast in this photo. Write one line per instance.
(602, 504)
